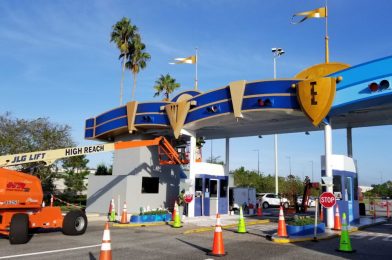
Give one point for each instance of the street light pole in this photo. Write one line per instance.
(277, 52)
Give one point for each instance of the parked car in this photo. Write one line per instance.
(311, 201)
(273, 200)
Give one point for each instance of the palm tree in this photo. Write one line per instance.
(166, 85)
(123, 32)
(137, 58)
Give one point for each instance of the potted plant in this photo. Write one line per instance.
(302, 226)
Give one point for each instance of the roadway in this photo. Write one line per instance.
(164, 242)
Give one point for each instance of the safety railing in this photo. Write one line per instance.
(378, 207)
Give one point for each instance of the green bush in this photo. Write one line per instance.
(302, 221)
(155, 212)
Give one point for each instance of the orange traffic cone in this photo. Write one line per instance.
(124, 216)
(337, 225)
(218, 248)
(106, 248)
(259, 211)
(321, 213)
(282, 231)
(174, 210)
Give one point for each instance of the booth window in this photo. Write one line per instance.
(214, 188)
(348, 188)
(337, 183)
(150, 185)
(355, 188)
(199, 184)
(223, 189)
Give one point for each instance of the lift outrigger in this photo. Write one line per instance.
(21, 194)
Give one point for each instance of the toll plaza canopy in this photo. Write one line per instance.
(363, 97)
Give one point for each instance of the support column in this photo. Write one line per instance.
(349, 142)
(276, 166)
(328, 169)
(230, 182)
(192, 173)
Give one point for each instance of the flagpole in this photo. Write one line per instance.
(196, 87)
(326, 34)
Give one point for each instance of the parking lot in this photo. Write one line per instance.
(164, 242)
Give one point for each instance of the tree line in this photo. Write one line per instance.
(288, 186)
(380, 190)
(23, 136)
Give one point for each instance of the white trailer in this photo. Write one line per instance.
(240, 196)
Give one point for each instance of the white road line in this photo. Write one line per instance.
(49, 252)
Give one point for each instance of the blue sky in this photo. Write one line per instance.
(57, 62)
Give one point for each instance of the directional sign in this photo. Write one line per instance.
(327, 200)
(326, 180)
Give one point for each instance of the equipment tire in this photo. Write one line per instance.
(265, 205)
(74, 223)
(19, 229)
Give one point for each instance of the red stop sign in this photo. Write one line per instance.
(327, 199)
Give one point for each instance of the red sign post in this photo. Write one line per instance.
(327, 199)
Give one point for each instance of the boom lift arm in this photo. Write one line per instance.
(166, 152)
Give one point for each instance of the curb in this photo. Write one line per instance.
(281, 240)
(204, 229)
(130, 225)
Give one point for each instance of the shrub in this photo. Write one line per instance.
(302, 221)
(155, 212)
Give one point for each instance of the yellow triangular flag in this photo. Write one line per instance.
(316, 13)
(188, 60)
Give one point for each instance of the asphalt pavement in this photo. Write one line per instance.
(164, 242)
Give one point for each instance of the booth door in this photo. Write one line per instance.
(199, 197)
(223, 200)
(214, 196)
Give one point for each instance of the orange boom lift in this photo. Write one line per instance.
(21, 194)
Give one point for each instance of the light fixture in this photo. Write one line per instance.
(212, 109)
(277, 51)
(264, 102)
(384, 84)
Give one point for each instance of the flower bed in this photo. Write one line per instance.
(152, 216)
(303, 227)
